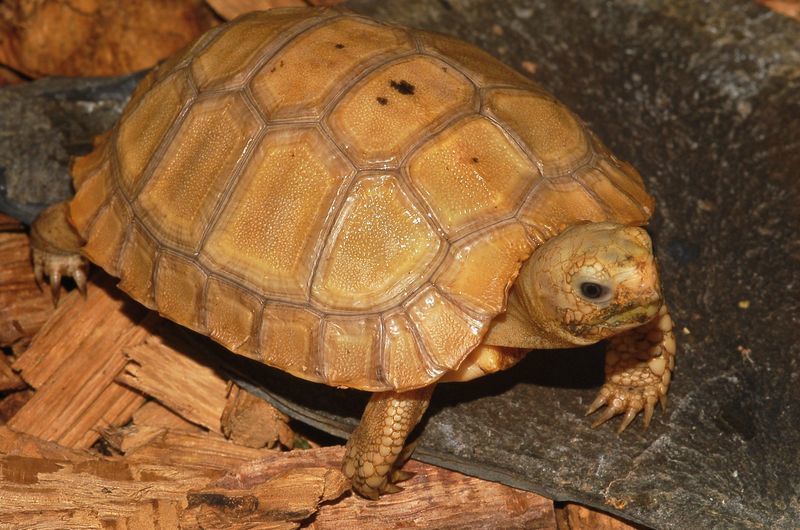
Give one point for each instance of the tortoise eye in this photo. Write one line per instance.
(593, 291)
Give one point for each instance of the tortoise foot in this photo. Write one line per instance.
(639, 367)
(376, 451)
(55, 251)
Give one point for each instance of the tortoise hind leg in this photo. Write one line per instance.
(55, 249)
(375, 451)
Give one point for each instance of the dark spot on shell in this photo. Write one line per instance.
(339, 45)
(403, 87)
(382, 101)
(273, 69)
(475, 159)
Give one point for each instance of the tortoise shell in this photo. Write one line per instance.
(346, 200)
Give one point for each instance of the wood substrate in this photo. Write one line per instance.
(111, 417)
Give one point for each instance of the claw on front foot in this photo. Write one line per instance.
(55, 250)
(639, 367)
(51, 268)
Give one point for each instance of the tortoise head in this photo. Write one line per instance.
(592, 281)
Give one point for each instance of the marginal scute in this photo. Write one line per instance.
(178, 200)
(278, 213)
(471, 174)
(136, 266)
(234, 53)
(446, 331)
(89, 198)
(144, 129)
(230, 316)
(107, 235)
(379, 118)
(480, 270)
(378, 250)
(403, 363)
(622, 208)
(552, 206)
(551, 132)
(311, 69)
(289, 340)
(480, 66)
(85, 166)
(625, 178)
(350, 350)
(179, 288)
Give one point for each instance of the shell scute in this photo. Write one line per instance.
(558, 142)
(312, 69)
(446, 331)
(278, 213)
(350, 345)
(178, 200)
(479, 270)
(145, 128)
(471, 175)
(386, 112)
(378, 251)
(289, 339)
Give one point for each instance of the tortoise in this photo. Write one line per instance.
(369, 206)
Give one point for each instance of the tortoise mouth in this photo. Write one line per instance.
(619, 317)
(632, 314)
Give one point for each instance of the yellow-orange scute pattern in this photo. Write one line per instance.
(343, 199)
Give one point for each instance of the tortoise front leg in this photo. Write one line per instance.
(638, 370)
(55, 250)
(375, 451)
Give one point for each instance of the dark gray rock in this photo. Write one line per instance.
(42, 126)
(702, 97)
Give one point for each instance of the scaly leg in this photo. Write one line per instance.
(375, 451)
(639, 367)
(55, 250)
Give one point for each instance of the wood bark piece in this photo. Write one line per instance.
(180, 375)
(96, 37)
(229, 9)
(205, 451)
(282, 501)
(72, 363)
(433, 498)
(250, 421)
(24, 308)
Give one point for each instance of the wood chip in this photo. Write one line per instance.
(433, 498)
(9, 381)
(96, 37)
(180, 375)
(154, 414)
(204, 452)
(24, 308)
(250, 421)
(289, 497)
(229, 9)
(73, 361)
(12, 403)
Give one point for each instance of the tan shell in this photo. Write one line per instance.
(346, 200)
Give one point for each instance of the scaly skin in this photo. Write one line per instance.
(638, 370)
(55, 250)
(376, 450)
